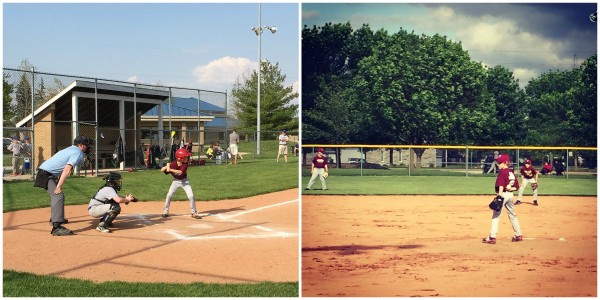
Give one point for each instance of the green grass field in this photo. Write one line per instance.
(253, 176)
(19, 284)
(443, 185)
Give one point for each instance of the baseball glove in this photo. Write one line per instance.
(534, 186)
(496, 204)
(135, 199)
(326, 174)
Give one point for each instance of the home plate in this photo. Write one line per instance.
(201, 226)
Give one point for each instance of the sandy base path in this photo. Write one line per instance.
(431, 246)
(242, 241)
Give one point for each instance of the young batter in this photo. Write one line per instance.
(178, 169)
(506, 184)
(528, 175)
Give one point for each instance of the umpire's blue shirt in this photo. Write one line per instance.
(56, 164)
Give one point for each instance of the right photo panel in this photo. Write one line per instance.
(449, 150)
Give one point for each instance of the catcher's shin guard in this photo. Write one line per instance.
(110, 216)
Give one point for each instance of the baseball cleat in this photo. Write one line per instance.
(103, 229)
(196, 215)
(308, 189)
(61, 231)
(535, 202)
(325, 189)
(165, 213)
(489, 240)
(517, 238)
(518, 202)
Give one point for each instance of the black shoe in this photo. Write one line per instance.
(61, 231)
(325, 189)
(535, 202)
(518, 202)
(308, 189)
(65, 221)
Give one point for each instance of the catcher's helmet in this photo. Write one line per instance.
(182, 153)
(113, 179)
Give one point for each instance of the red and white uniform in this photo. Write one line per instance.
(508, 180)
(528, 175)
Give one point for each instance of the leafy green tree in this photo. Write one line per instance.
(510, 105)
(582, 105)
(7, 111)
(277, 110)
(548, 102)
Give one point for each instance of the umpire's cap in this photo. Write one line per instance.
(82, 139)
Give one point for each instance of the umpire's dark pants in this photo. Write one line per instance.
(57, 202)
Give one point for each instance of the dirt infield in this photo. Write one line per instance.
(242, 241)
(431, 246)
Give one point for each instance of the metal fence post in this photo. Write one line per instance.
(32, 120)
(467, 160)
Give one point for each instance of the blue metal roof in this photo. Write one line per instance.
(186, 107)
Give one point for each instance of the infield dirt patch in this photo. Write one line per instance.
(247, 240)
(431, 246)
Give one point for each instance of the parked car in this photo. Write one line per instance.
(5, 143)
(356, 160)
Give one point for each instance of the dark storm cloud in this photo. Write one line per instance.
(554, 21)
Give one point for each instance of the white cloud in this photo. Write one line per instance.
(222, 71)
(133, 79)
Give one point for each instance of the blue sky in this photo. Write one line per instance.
(528, 39)
(195, 45)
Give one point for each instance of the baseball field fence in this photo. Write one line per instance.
(124, 119)
(443, 160)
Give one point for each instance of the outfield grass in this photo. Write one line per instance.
(20, 284)
(210, 182)
(443, 185)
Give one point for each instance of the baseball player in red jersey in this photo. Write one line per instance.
(318, 168)
(528, 175)
(506, 184)
(178, 168)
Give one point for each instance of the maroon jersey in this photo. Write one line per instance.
(528, 173)
(506, 177)
(182, 168)
(320, 161)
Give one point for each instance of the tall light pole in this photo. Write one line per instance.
(259, 30)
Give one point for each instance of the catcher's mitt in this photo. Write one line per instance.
(496, 204)
(534, 186)
(326, 174)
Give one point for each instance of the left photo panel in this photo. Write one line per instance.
(151, 150)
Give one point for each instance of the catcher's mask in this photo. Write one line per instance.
(113, 179)
(182, 153)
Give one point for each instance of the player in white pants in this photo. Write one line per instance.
(528, 175)
(506, 183)
(178, 169)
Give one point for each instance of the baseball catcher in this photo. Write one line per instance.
(105, 203)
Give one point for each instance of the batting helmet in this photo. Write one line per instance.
(182, 153)
(113, 179)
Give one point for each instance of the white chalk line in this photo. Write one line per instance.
(267, 232)
(256, 209)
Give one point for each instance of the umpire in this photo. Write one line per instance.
(51, 176)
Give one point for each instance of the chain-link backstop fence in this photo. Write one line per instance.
(133, 125)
